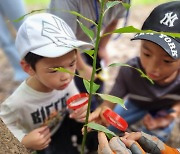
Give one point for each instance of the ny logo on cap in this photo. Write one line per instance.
(59, 32)
(169, 19)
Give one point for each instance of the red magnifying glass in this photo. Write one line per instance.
(115, 120)
(77, 101)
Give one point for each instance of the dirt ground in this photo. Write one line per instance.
(119, 51)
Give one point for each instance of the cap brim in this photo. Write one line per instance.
(53, 50)
(169, 44)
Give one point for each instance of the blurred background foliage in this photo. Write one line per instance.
(134, 2)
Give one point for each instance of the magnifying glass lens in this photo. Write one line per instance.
(77, 101)
(115, 120)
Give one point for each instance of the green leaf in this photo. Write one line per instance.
(118, 64)
(144, 75)
(89, 52)
(131, 29)
(22, 17)
(86, 30)
(112, 99)
(128, 29)
(87, 86)
(110, 4)
(101, 128)
(139, 70)
(109, 136)
(61, 69)
(79, 15)
(126, 6)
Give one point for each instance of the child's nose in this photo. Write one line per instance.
(64, 76)
(154, 67)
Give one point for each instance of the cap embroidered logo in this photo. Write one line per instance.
(169, 19)
(171, 44)
(59, 32)
(47, 35)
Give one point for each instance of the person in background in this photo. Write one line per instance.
(158, 103)
(9, 11)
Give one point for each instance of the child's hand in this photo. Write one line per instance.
(135, 142)
(115, 145)
(79, 114)
(152, 123)
(147, 143)
(37, 139)
(97, 116)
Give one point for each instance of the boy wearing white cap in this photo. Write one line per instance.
(159, 59)
(36, 112)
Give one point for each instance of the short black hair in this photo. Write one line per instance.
(32, 59)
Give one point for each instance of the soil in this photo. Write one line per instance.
(120, 50)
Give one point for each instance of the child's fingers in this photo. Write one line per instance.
(82, 120)
(126, 134)
(46, 144)
(47, 136)
(45, 132)
(79, 113)
(82, 109)
(129, 138)
(42, 129)
(88, 130)
(94, 115)
(133, 136)
(78, 116)
(103, 147)
(118, 146)
(127, 142)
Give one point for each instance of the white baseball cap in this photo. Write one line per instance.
(47, 35)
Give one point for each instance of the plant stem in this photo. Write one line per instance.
(93, 73)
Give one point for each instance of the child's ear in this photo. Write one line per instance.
(27, 68)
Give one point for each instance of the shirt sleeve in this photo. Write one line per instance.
(9, 116)
(119, 88)
(60, 8)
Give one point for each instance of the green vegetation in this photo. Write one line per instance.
(138, 2)
(37, 2)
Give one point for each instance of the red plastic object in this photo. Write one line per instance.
(77, 101)
(115, 120)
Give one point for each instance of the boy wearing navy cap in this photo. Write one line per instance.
(159, 59)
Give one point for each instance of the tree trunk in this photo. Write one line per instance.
(8, 143)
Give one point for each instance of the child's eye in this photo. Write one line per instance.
(146, 54)
(53, 71)
(72, 64)
(168, 61)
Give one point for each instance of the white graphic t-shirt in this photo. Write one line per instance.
(27, 109)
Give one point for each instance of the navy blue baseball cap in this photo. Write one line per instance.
(163, 18)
